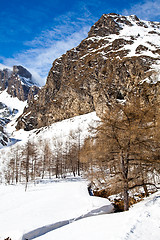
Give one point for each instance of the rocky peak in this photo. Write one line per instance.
(121, 53)
(21, 71)
(105, 26)
(17, 82)
(112, 24)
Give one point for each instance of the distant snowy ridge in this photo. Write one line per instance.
(2, 66)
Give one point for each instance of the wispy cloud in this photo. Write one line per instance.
(146, 10)
(68, 32)
(39, 59)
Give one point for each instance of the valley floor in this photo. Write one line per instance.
(63, 209)
(45, 204)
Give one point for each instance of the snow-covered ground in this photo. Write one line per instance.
(140, 222)
(63, 209)
(45, 204)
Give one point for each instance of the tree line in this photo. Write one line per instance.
(44, 159)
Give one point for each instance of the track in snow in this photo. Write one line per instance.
(45, 229)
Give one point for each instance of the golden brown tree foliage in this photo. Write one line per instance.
(126, 148)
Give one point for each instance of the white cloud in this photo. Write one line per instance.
(68, 31)
(39, 59)
(146, 10)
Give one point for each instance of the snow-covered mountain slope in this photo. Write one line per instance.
(17, 85)
(62, 130)
(134, 35)
(58, 135)
(12, 102)
(10, 109)
(44, 205)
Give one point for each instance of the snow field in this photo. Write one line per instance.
(141, 222)
(42, 205)
(63, 202)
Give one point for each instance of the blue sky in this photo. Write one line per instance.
(33, 32)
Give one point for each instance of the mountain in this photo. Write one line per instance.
(18, 82)
(119, 54)
(16, 88)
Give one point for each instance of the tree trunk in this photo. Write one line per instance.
(124, 166)
(57, 167)
(126, 196)
(27, 173)
(145, 189)
(44, 166)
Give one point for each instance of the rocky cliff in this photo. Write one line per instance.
(119, 54)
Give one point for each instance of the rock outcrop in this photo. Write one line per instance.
(120, 54)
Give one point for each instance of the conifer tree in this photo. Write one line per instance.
(126, 147)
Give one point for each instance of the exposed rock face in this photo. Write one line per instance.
(4, 139)
(18, 82)
(5, 112)
(119, 54)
